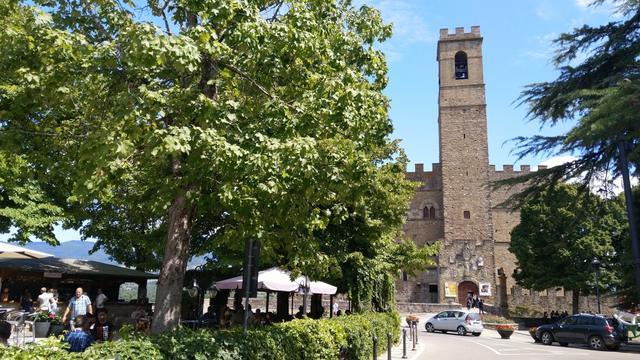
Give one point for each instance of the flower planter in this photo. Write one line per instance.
(56, 330)
(41, 328)
(505, 334)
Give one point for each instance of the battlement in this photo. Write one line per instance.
(508, 168)
(419, 169)
(459, 33)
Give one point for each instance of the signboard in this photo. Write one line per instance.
(52, 275)
(451, 289)
(485, 289)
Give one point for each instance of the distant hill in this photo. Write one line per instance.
(78, 249)
(74, 249)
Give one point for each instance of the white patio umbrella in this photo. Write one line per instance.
(9, 251)
(276, 279)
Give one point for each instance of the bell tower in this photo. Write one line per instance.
(467, 259)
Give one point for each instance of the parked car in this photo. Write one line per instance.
(597, 331)
(460, 321)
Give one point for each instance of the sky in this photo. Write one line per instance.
(517, 51)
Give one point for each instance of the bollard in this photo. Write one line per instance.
(416, 325)
(414, 338)
(404, 343)
(375, 347)
(388, 346)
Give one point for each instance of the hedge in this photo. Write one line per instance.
(304, 339)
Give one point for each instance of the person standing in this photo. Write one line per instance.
(335, 308)
(78, 305)
(102, 330)
(43, 300)
(26, 302)
(101, 298)
(481, 306)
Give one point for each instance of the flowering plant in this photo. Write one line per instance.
(505, 327)
(45, 316)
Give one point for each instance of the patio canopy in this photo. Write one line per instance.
(9, 251)
(276, 279)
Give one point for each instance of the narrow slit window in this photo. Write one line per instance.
(462, 69)
(425, 213)
(467, 214)
(432, 213)
(405, 277)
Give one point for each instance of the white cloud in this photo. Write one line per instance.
(545, 11)
(543, 48)
(409, 28)
(601, 185)
(584, 4)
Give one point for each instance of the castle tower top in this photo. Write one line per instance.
(460, 34)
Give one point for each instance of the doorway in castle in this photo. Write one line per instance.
(464, 289)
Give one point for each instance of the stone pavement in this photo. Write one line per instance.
(397, 351)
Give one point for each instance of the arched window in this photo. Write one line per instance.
(425, 213)
(462, 70)
(432, 213)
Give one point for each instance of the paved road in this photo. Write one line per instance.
(490, 346)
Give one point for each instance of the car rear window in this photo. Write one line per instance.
(474, 316)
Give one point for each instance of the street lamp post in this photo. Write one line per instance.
(596, 265)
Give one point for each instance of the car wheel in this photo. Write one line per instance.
(564, 344)
(476, 334)
(462, 331)
(546, 338)
(429, 327)
(596, 343)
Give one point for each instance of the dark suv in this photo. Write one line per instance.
(594, 330)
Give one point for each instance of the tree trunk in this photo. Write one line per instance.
(576, 300)
(166, 314)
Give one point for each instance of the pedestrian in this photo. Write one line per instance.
(481, 306)
(335, 308)
(79, 338)
(80, 304)
(26, 302)
(469, 303)
(43, 300)
(101, 298)
(53, 305)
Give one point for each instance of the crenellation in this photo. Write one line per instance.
(459, 33)
(542, 167)
(525, 168)
(507, 168)
(419, 168)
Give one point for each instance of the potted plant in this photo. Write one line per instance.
(57, 327)
(412, 320)
(505, 330)
(41, 324)
(532, 332)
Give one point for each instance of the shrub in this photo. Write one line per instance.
(304, 339)
(505, 327)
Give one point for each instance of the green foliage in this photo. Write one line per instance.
(295, 340)
(561, 230)
(233, 119)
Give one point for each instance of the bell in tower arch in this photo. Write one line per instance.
(462, 70)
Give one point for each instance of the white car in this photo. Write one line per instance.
(460, 321)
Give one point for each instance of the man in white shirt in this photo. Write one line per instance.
(43, 300)
(101, 299)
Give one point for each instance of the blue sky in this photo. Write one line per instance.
(517, 50)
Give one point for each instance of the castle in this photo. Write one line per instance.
(456, 203)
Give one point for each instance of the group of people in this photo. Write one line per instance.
(554, 316)
(85, 326)
(473, 301)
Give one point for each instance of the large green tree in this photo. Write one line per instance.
(209, 121)
(561, 230)
(598, 92)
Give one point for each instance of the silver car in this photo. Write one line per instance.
(460, 321)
